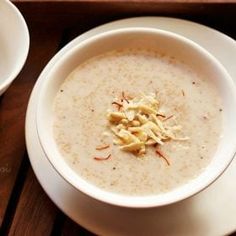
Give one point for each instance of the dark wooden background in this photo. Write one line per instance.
(24, 207)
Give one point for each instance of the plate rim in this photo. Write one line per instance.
(63, 50)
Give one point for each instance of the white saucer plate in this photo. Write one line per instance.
(211, 212)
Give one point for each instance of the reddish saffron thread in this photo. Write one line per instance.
(161, 115)
(118, 104)
(102, 158)
(124, 98)
(169, 117)
(159, 152)
(102, 147)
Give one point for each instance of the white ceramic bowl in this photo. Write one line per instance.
(162, 41)
(14, 43)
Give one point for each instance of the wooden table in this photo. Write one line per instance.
(24, 207)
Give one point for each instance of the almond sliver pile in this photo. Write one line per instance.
(137, 123)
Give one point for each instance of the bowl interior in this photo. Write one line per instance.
(14, 43)
(163, 42)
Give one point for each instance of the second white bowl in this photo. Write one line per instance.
(14, 43)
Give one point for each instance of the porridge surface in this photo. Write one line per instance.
(80, 109)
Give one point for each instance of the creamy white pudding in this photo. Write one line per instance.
(81, 126)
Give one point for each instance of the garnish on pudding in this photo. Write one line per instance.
(102, 158)
(138, 123)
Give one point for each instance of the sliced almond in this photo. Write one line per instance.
(132, 147)
(140, 123)
(116, 116)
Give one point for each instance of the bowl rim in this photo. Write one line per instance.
(6, 82)
(120, 199)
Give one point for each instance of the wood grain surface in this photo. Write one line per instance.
(33, 204)
(135, 1)
(25, 209)
(12, 115)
